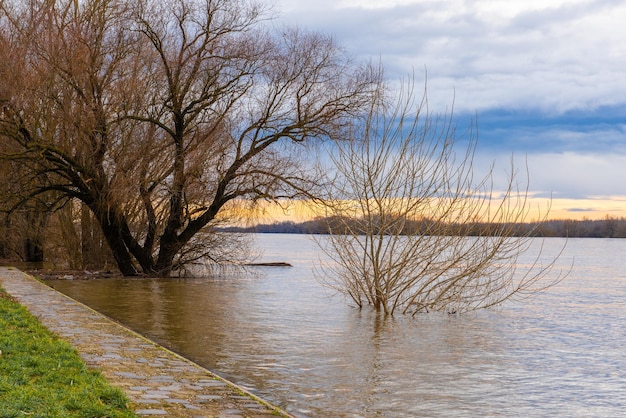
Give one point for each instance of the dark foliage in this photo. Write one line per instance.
(602, 228)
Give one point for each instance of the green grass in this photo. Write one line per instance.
(43, 376)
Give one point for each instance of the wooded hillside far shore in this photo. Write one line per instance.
(601, 228)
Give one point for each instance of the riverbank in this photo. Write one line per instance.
(157, 381)
(42, 375)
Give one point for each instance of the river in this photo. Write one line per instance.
(278, 332)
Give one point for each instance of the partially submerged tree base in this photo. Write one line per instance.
(401, 169)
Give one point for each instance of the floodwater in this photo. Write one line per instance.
(285, 337)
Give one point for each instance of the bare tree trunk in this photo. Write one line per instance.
(33, 250)
(87, 239)
(34, 220)
(69, 235)
(112, 232)
(96, 254)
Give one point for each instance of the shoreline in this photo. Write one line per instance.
(156, 380)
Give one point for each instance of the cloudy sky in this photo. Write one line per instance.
(545, 78)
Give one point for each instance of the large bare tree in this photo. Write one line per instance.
(405, 204)
(158, 115)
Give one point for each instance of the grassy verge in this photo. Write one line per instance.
(43, 376)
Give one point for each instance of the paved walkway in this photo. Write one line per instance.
(157, 381)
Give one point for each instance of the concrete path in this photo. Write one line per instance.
(157, 381)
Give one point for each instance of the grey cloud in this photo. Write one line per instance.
(559, 58)
(567, 12)
(548, 62)
(575, 175)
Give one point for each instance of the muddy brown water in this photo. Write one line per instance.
(278, 332)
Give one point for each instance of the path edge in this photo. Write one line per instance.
(277, 410)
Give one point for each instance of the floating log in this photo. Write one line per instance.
(271, 264)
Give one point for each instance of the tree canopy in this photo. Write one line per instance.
(157, 115)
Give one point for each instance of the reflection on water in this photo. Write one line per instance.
(283, 336)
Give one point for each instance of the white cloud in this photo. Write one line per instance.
(561, 62)
(565, 175)
(552, 55)
(580, 175)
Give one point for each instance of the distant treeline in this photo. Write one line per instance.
(603, 228)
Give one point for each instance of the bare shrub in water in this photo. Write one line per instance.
(405, 208)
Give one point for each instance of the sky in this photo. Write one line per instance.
(544, 79)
